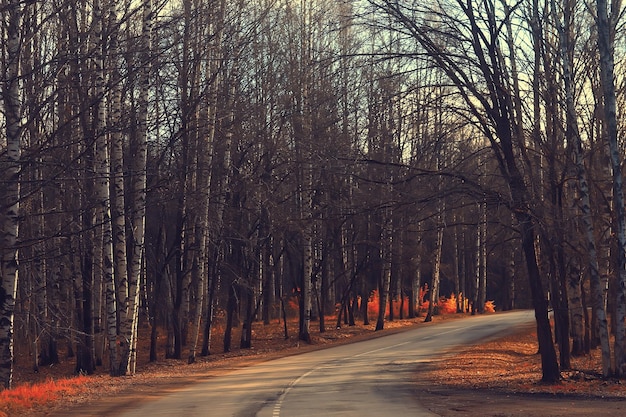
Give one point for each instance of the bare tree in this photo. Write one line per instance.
(139, 180)
(606, 32)
(10, 168)
(494, 113)
(572, 133)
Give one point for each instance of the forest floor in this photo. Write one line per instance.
(496, 378)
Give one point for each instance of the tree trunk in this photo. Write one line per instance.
(385, 278)
(549, 364)
(307, 273)
(482, 252)
(83, 298)
(102, 190)
(416, 282)
(246, 331)
(511, 251)
(231, 307)
(10, 175)
(574, 282)
(434, 287)
(214, 281)
(139, 184)
(605, 26)
(118, 211)
(574, 140)
(441, 208)
(455, 264)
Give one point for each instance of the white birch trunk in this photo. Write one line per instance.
(206, 137)
(605, 26)
(476, 293)
(214, 73)
(9, 174)
(102, 192)
(482, 253)
(574, 139)
(118, 220)
(202, 183)
(306, 210)
(139, 180)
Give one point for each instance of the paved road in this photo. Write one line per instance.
(369, 378)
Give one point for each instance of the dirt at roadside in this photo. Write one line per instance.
(454, 402)
(501, 379)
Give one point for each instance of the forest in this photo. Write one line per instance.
(180, 164)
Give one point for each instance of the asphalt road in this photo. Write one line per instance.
(369, 378)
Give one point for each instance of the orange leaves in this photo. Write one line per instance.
(447, 305)
(490, 307)
(293, 306)
(444, 305)
(26, 396)
(373, 305)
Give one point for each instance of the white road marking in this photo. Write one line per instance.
(292, 384)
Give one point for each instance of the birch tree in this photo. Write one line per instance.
(605, 23)
(118, 192)
(573, 137)
(102, 180)
(299, 32)
(138, 184)
(437, 253)
(205, 137)
(10, 176)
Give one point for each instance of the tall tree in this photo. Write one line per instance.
(117, 194)
(437, 253)
(10, 168)
(205, 136)
(572, 133)
(139, 169)
(606, 22)
(102, 181)
(494, 113)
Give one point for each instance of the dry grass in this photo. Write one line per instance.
(42, 394)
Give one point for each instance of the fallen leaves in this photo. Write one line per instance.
(512, 365)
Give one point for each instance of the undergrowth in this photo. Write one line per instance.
(27, 396)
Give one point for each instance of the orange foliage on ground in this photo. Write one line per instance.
(292, 307)
(447, 305)
(444, 305)
(490, 307)
(372, 306)
(26, 396)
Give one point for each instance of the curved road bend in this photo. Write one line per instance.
(363, 379)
